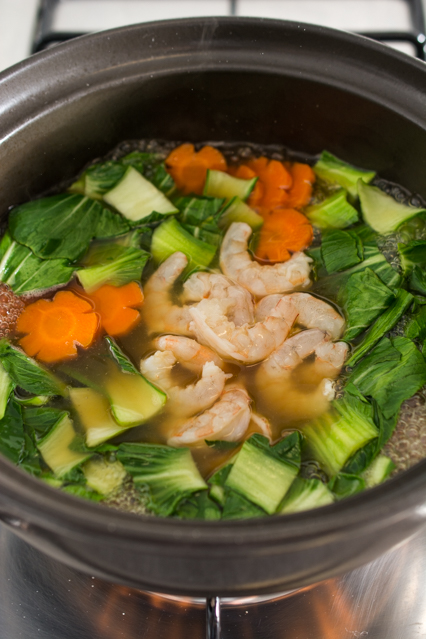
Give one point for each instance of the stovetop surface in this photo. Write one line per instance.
(43, 599)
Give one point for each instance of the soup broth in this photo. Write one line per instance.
(323, 427)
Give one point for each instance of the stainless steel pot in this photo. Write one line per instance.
(212, 79)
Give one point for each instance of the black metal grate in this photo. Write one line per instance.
(45, 36)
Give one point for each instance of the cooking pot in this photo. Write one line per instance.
(228, 79)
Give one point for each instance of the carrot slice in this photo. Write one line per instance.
(55, 327)
(274, 179)
(189, 168)
(113, 305)
(284, 231)
(301, 191)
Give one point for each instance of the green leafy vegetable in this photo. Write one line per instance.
(42, 420)
(24, 272)
(362, 459)
(364, 298)
(100, 178)
(198, 506)
(6, 387)
(341, 250)
(170, 473)
(27, 374)
(170, 237)
(383, 324)
(153, 168)
(333, 213)
(394, 371)
(238, 211)
(334, 437)
(330, 168)
(217, 483)
(120, 358)
(60, 226)
(238, 507)
(381, 211)
(137, 198)
(83, 491)
(418, 280)
(262, 473)
(373, 259)
(411, 254)
(378, 471)
(305, 494)
(12, 434)
(113, 264)
(416, 325)
(111, 225)
(195, 210)
(344, 485)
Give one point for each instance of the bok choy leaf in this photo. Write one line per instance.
(60, 226)
(383, 324)
(332, 169)
(341, 250)
(412, 254)
(364, 298)
(169, 473)
(393, 372)
(113, 264)
(24, 272)
(27, 374)
(381, 211)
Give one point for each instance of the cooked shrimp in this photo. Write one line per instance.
(216, 286)
(304, 309)
(260, 280)
(159, 312)
(329, 356)
(227, 420)
(247, 344)
(193, 398)
(262, 425)
(280, 392)
(188, 352)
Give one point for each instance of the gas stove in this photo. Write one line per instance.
(31, 25)
(48, 600)
(42, 599)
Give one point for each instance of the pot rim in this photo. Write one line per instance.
(45, 506)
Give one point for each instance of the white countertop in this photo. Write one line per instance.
(17, 17)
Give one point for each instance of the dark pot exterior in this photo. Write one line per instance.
(196, 80)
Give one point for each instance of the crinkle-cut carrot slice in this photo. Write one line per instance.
(55, 327)
(113, 305)
(188, 168)
(284, 231)
(301, 191)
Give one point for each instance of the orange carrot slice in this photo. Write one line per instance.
(275, 179)
(189, 169)
(284, 231)
(114, 305)
(301, 191)
(55, 327)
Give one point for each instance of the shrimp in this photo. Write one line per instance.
(273, 376)
(247, 344)
(329, 356)
(193, 398)
(262, 424)
(216, 286)
(188, 352)
(260, 280)
(227, 420)
(303, 309)
(159, 312)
